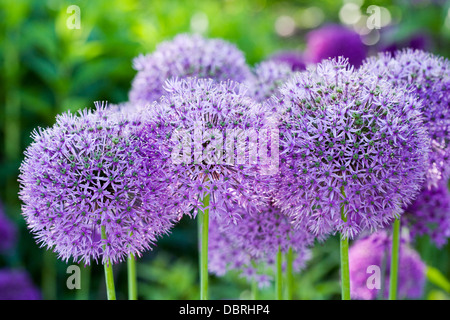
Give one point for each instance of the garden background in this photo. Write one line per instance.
(47, 68)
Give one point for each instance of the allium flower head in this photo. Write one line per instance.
(186, 56)
(429, 214)
(294, 59)
(89, 189)
(16, 284)
(374, 251)
(427, 76)
(8, 232)
(347, 141)
(208, 139)
(251, 245)
(268, 77)
(332, 41)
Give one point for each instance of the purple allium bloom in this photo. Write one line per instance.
(427, 76)
(90, 174)
(429, 214)
(347, 139)
(16, 284)
(202, 127)
(375, 251)
(268, 77)
(294, 59)
(252, 243)
(8, 232)
(332, 41)
(186, 56)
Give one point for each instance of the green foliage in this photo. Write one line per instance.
(437, 278)
(167, 278)
(47, 68)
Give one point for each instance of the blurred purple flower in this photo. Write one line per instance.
(332, 41)
(8, 232)
(17, 285)
(294, 59)
(186, 56)
(429, 214)
(347, 140)
(417, 41)
(88, 175)
(375, 251)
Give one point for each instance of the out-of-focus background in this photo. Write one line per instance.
(47, 68)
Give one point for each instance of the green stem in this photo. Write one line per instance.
(289, 274)
(393, 277)
(255, 290)
(254, 286)
(109, 278)
(203, 219)
(132, 283)
(279, 276)
(345, 270)
(49, 276)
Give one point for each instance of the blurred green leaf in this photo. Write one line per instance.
(437, 278)
(47, 71)
(97, 70)
(166, 278)
(32, 101)
(437, 295)
(41, 36)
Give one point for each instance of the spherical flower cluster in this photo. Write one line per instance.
(250, 246)
(17, 285)
(186, 56)
(268, 77)
(429, 214)
(8, 232)
(208, 138)
(372, 253)
(332, 41)
(208, 133)
(352, 149)
(428, 78)
(90, 191)
(294, 59)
